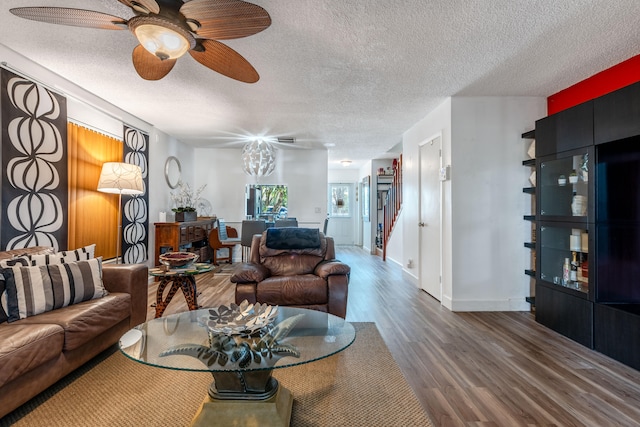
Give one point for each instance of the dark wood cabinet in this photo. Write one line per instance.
(605, 315)
(617, 115)
(567, 130)
(616, 329)
(171, 236)
(566, 312)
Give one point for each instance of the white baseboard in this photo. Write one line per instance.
(514, 304)
(410, 277)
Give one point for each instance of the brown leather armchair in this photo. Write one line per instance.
(294, 267)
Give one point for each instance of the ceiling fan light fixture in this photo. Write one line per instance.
(162, 42)
(139, 8)
(161, 37)
(193, 24)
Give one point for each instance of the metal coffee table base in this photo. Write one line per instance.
(272, 412)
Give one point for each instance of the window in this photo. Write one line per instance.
(340, 200)
(268, 202)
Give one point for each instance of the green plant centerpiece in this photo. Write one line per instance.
(243, 346)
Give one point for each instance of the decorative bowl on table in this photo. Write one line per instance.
(178, 259)
(240, 319)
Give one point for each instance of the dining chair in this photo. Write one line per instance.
(249, 228)
(223, 237)
(289, 222)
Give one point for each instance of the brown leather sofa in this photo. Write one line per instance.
(307, 277)
(37, 351)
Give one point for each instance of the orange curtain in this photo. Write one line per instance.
(93, 216)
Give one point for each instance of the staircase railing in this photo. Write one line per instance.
(392, 206)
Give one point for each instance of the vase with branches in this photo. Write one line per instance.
(185, 200)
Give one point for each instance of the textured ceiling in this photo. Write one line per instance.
(356, 74)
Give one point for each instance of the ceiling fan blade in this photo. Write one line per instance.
(143, 6)
(224, 60)
(225, 19)
(73, 17)
(149, 66)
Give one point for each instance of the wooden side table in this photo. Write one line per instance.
(179, 278)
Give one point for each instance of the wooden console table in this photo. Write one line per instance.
(171, 235)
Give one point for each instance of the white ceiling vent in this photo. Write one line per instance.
(286, 140)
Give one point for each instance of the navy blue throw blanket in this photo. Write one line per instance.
(293, 238)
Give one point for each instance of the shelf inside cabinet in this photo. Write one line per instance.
(563, 185)
(529, 134)
(532, 164)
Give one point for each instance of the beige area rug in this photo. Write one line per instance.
(361, 386)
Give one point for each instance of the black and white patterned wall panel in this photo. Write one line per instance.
(135, 209)
(34, 165)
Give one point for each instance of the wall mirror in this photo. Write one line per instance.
(172, 171)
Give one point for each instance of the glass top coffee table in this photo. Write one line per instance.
(240, 346)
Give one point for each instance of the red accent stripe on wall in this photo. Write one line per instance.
(614, 78)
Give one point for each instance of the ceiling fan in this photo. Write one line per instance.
(167, 29)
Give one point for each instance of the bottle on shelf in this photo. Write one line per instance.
(584, 267)
(566, 268)
(573, 274)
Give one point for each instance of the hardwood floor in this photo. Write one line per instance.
(471, 369)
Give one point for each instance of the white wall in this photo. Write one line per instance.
(488, 202)
(483, 229)
(438, 122)
(161, 146)
(342, 176)
(304, 172)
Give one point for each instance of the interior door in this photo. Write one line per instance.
(429, 226)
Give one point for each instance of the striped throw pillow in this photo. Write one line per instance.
(38, 289)
(47, 259)
(19, 261)
(81, 254)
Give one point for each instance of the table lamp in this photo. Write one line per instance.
(120, 178)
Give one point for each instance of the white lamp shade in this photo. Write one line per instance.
(258, 158)
(120, 178)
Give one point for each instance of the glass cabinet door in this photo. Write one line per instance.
(564, 257)
(564, 190)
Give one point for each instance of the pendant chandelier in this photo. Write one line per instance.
(258, 158)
